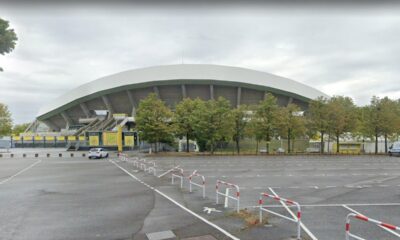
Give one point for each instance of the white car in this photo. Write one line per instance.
(97, 153)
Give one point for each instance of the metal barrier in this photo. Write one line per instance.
(122, 157)
(226, 195)
(290, 202)
(366, 219)
(201, 185)
(152, 170)
(173, 175)
(143, 164)
(149, 169)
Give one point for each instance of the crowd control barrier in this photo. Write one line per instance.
(226, 195)
(350, 235)
(201, 185)
(290, 202)
(148, 168)
(178, 175)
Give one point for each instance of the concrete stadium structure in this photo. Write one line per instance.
(122, 92)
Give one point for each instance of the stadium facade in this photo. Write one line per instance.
(121, 93)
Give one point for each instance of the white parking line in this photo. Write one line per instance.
(226, 233)
(18, 173)
(386, 229)
(310, 234)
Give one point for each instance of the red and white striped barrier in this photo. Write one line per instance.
(226, 195)
(289, 202)
(201, 185)
(138, 161)
(178, 175)
(122, 157)
(366, 219)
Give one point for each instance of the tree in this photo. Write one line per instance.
(8, 38)
(19, 128)
(389, 118)
(317, 118)
(373, 122)
(266, 117)
(341, 116)
(183, 118)
(212, 122)
(291, 123)
(382, 119)
(240, 117)
(153, 119)
(5, 120)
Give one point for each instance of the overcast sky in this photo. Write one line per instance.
(339, 49)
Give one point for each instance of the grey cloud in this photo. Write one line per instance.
(349, 52)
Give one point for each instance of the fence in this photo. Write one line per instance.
(226, 194)
(290, 202)
(173, 175)
(201, 185)
(366, 219)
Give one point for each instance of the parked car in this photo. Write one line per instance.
(394, 149)
(97, 153)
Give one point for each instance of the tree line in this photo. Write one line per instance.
(214, 121)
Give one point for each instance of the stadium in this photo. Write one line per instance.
(103, 104)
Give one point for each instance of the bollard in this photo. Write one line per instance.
(83, 154)
(12, 155)
(1, 155)
(48, 154)
(60, 154)
(72, 155)
(36, 155)
(24, 155)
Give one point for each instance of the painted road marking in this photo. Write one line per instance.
(335, 205)
(18, 173)
(310, 234)
(226, 233)
(386, 229)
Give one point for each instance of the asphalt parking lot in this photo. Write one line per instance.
(328, 188)
(77, 198)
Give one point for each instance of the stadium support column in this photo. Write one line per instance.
(67, 119)
(290, 100)
(238, 96)
(156, 91)
(108, 105)
(85, 110)
(265, 95)
(211, 92)
(119, 138)
(183, 87)
(132, 101)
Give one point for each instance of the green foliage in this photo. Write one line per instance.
(5, 120)
(291, 123)
(8, 38)
(154, 120)
(341, 116)
(183, 119)
(380, 118)
(266, 118)
(241, 117)
(19, 128)
(212, 122)
(317, 118)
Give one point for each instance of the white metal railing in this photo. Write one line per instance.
(297, 219)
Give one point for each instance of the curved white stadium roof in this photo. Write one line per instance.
(183, 72)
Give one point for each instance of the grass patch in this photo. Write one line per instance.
(250, 219)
